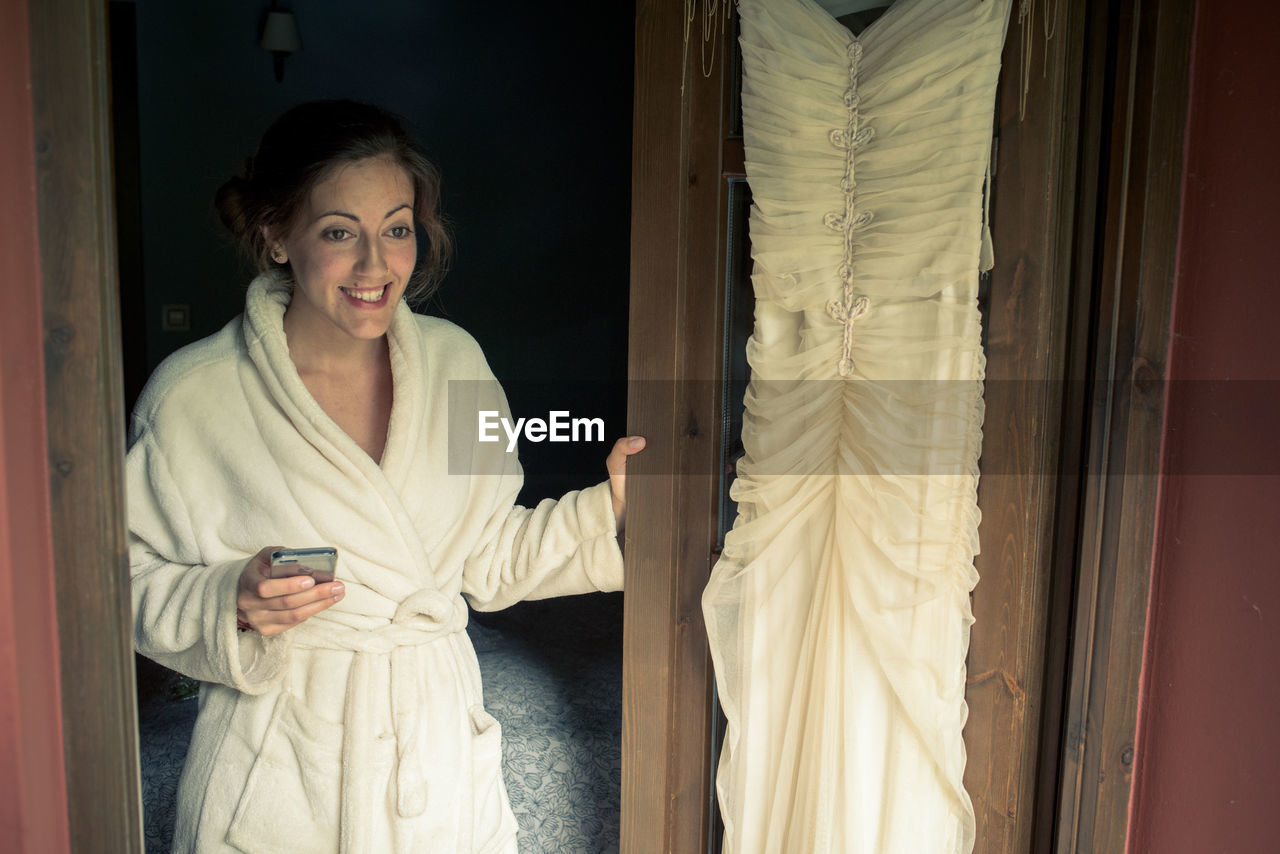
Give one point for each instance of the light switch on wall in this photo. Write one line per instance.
(175, 318)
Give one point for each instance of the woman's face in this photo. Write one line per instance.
(352, 249)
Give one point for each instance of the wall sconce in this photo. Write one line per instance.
(280, 36)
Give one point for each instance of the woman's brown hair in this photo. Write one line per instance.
(299, 150)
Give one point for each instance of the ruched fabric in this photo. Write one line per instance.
(839, 614)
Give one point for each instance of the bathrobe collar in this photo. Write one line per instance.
(268, 297)
(355, 471)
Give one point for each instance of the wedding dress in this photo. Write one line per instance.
(839, 612)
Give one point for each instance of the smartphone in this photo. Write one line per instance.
(319, 563)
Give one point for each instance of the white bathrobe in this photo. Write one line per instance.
(363, 729)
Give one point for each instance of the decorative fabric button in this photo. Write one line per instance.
(849, 308)
(847, 311)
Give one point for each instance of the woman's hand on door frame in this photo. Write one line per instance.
(616, 464)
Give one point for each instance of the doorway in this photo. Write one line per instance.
(666, 682)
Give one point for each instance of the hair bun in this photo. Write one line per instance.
(231, 202)
(300, 149)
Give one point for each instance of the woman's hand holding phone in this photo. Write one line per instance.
(270, 606)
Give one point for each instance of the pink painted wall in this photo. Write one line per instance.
(33, 802)
(1207, 768)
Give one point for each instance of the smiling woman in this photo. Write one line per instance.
(350, 264)
(346, 715)
(330, 202)
(350, 261)
(294, 187)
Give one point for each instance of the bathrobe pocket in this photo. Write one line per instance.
(292, 798)
(495, 824)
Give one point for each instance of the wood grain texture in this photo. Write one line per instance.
(1150, 62)
(85, 422)
(675, 335)
(1019, 493)
(700, 335)
(33, 796)
(647, 642)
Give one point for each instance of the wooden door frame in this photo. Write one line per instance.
(1082, 295)
(1056, 651)
(676, 278)
(675, 334)
(1027, 436)
(1141, 91)
(85, 421)
(33, 789)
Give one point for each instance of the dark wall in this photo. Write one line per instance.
(526, 108)
(1205, 776)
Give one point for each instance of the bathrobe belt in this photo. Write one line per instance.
(424, 617)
